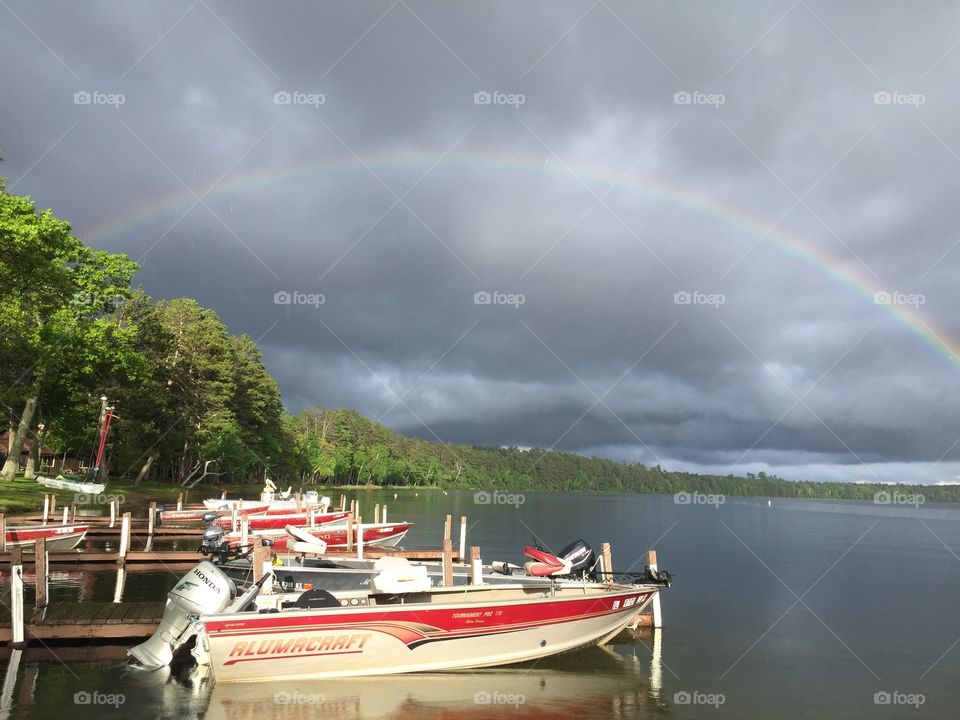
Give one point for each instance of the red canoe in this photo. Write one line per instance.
(57, 537)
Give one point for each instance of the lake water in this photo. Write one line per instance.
(801, 609)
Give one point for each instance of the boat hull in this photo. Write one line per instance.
(418, 637)
(57, 537)
(279, 522)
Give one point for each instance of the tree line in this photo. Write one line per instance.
(196, 404)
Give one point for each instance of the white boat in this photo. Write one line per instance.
(399, 625)
(56, 537)
(62, 483)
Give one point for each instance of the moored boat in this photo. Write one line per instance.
(280, 521)
(399, 625)
(56, 537)
(333, 537)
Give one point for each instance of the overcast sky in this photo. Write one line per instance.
(680, 213)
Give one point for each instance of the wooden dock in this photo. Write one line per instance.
(89, 620)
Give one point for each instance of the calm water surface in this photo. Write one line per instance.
(804, 609)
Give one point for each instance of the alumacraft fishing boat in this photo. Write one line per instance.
(399, 625)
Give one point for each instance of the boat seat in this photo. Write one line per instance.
(304, 548)
(401, 578)
(543, 564)
(316, 598)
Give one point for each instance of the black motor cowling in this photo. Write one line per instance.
(581, 557)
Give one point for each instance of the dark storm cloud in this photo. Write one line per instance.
(770, 158)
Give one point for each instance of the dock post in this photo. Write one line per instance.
(223, 495)
(384, 520)
(53, 504)
(124, 538)
(476, 566)
(447, 562)
(359, 538)
(42, 561)
(463, 538)
(244, 530)
(447, 526)
(16, 597)
(376, 514)
(299, 499)
(353, 508)
(180, 501)
(233, 516)
(121, 584)
(73, 512)
(46, 508)
(655, 603)
(607, 561)
(66, 514)
(114, 506)
(356, 510)
(151, 518)
(343, 503)
(349, 532)
(3, 533)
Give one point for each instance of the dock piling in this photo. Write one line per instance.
(151, 518)
(359, 538)
(447, 562)
(124, 538)
(384, 513)
(655, 603)
(114, 508)
(42, 562)
(66, 514)
(46, 508)
(16, 597)
(244, 530)
(463, 537)
(376, 514)
(606, 560)
(3, 533)
(476, 566)
(180, 501)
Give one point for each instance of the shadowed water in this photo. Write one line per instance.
(801, 609)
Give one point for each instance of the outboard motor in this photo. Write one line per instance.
(202, 591)
(581, 556)
(212, 540)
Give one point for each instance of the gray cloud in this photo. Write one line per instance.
(785, 186)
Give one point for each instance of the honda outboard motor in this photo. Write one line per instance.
(202, 591)
(581, 557)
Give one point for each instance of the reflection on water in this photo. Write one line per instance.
(615, 681)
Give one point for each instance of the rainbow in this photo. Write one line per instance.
(920, 325)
